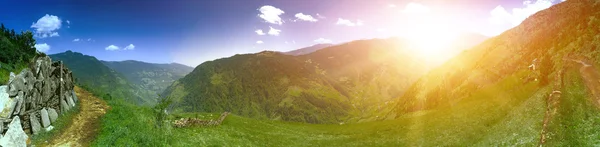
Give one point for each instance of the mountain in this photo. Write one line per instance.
(153, 78)
(509, 54)
(91, 72)
(515, 78)
(307, 50)
(338, 83)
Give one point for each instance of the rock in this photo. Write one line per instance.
(64, 107)
(13, 86)
(7, 104)
(70, 101)
(49, 128)
(45, 118)
(15, 136)
(52, 115)
(74, 96)
(20, 101)
(35, 124)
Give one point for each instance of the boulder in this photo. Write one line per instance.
(14, 86)
(74, 96)
(7, 104)
(52, 115)
(64, 107)
(70, 101)
(45, 118)
(15, 136)
(35, 123)
(20, 101)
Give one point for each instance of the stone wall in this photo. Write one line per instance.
(35, 98)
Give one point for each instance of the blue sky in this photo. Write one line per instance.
(194, 31)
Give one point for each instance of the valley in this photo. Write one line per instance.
(536, 83)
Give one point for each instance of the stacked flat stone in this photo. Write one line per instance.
(34, 98)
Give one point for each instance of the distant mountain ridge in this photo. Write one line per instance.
(91, 72)
(346, 82)
(151, 77)
(307, 50)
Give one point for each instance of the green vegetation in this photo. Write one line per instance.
(92, 74)
(344, 83)
(16, 52)
(536, 41)
(59, 125)
(506, 113)
(576, 123)
(152, 79)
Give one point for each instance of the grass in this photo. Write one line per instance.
(61, 122)
(5, 72)
(508, 113)
(578, 119)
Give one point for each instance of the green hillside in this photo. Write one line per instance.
(347, 82)
(16, 52)
(150, 77)
(480, 120)
(566, 30)
(90, 72)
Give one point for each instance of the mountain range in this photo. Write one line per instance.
(318, 84)
(135, 81)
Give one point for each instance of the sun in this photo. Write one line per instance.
(432, 42)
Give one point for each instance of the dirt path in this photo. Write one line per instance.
(591, 78)
(85, 125)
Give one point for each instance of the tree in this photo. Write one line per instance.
(545, 70)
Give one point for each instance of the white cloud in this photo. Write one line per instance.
(42, 47)
(304, 17)
(112, 48)
(129, 47)
(68, 22)
(54, 34)
(47, 26)
(273, 31)
(323, 40)
(501, 17)
(259, 42)
(518, 15)
(320, 16)
(89, 39)
(76, 39)
(260, 32)
(346, 22)
(414, 8)
(271, 14)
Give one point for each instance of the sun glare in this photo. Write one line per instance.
(433, 43)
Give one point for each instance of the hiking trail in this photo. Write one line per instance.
(85, 125)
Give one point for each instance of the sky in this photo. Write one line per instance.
(194, 31)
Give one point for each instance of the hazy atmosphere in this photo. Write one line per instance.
(299, 73)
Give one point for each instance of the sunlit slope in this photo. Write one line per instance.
(566, 29)
(484, 119)
(341, 83)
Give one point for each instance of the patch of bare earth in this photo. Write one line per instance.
(85, 125)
